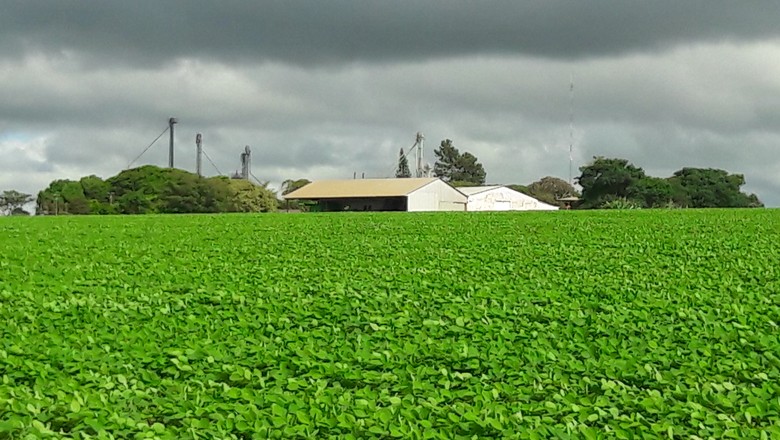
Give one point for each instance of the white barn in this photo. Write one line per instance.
(501, 198)
(412, 194)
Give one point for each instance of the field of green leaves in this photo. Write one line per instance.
(631, 325)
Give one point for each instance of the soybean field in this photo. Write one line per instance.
(612, 324)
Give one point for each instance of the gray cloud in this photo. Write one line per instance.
(327, 89)
(337, 31)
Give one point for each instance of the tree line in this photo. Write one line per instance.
(606, 183)
(151, 190)
(617, 183)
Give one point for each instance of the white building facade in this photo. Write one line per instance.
(501, 198)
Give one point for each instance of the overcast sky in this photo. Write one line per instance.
(323, 89)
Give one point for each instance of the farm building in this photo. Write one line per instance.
(501, 198)
(412, 194)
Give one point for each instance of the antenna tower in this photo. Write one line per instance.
(571, 128)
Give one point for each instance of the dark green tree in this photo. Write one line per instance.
(134, 202)
(710, 188)
(402, 171)
(451, 165)
(549, 189)
(607, 179)
(651, 192)
(470, 169)
(446, 161)
(519, 188)
(95, 188)
(150, 189)
(60, 195)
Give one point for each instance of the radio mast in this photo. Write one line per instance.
(571, 128)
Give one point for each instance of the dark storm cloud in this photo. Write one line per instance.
(325, 89)
(335, 31)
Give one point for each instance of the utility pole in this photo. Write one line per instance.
(171, 121)
(198, 154)
(419, 172)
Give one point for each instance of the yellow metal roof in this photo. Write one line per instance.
(353, 188)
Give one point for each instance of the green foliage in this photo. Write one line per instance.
(519, 188)
(248, 197)
(95, 188)
(549, 189)
(461, 183)
(451, 165)
(150, 190)
(606, 324)
(711, 188)
(652, 192)
(291, 185)
(621, 203)
(605, 180)
(402, 171)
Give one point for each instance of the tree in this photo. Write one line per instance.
(12, 200)
(95, 188)
(550, 189)
(652, 192)
(710, 188)
(451, 165)
(291, 185)
(79, 206)
(134, 202)
(403, 166)
(461, 183)
(470, 169)
(615, 182)
(446, 160)
(150, 189)
(519, 188)
(248, 197)
(607, 179)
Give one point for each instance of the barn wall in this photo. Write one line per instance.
(364, 204)
(503, 199)
(436, 196)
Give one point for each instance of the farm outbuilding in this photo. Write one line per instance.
(412, 194)
(501, 198)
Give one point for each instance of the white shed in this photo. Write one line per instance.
(501, 198)
(412, 194)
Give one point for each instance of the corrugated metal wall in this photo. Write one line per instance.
(504, 199)
(436, 196)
